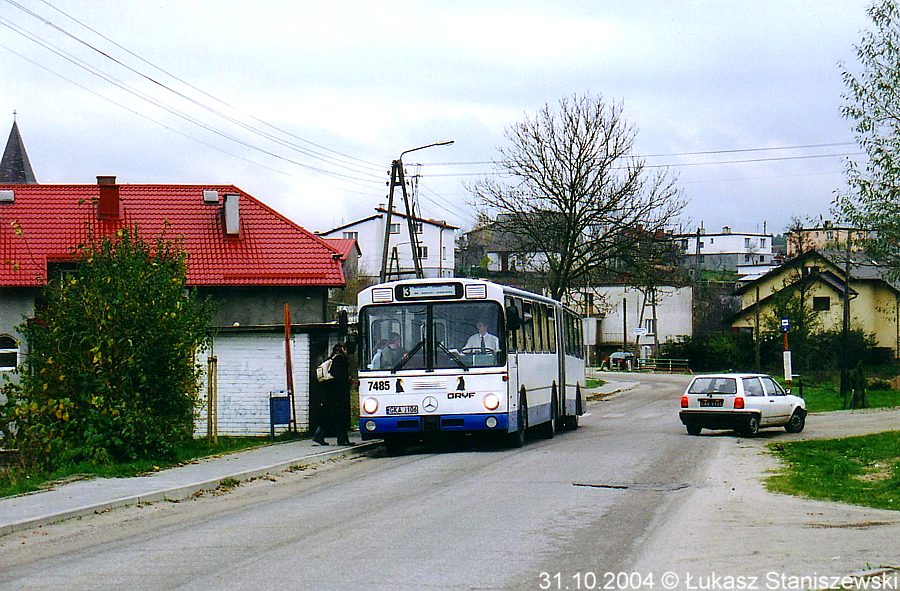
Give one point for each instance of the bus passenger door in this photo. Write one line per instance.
(514, 342)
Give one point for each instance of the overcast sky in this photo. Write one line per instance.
(305, 104)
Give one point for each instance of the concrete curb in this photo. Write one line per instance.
(184, 491)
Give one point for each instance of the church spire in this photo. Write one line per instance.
(15, 167)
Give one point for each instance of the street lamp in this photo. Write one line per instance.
(397, 178)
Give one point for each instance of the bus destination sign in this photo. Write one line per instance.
(429, 291)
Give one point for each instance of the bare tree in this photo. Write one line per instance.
(576, 196)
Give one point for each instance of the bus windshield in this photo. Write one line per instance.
(426, 336)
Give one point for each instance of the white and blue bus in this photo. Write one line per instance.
(463, 355)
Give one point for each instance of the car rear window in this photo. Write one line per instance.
(713, 386)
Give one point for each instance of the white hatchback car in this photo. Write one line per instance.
(742, 402)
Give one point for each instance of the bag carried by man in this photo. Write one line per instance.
(323, 372)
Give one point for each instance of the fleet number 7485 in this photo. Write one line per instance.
(381, 385)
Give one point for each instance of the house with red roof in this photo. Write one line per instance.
(248, 257)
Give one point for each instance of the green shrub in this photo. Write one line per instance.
(111, 373)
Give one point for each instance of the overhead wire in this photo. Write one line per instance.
(143, 96)
(306, 151)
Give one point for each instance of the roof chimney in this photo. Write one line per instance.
(232, 214)
(108, 206)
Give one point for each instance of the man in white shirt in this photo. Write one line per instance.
(482, 341)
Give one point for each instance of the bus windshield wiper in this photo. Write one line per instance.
(452, 355)
(408, 356)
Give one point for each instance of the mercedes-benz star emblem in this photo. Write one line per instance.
(430, 404)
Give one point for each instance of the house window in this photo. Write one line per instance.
(712, 240)
(762, 242)
(417, 227)
(395, 228)
(352, 235)
(821, 304)
(829, 235)
(9, 353)
(684, 245)
(423, 252)
(746, 243)
(701, 244)
(650, 325)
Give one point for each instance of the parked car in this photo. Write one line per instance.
(742, 402)
(618, 360)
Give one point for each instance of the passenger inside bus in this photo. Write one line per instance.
(392, 353)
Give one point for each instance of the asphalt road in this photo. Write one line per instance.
(468, 516)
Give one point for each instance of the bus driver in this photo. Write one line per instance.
(482, 341)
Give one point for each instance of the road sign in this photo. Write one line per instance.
(785, 325)
(639, 331)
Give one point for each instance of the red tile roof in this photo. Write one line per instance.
(44, 222)
(343, 246)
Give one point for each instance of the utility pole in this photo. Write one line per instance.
(397, 178)
(845, 325)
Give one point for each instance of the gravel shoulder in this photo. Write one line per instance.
(730, 525)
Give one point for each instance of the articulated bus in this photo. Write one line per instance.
(463, 355)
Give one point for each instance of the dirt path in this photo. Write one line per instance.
(732, 526)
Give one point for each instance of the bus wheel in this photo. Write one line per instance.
(395, 445)
(579, 409)
(548, 429)
(517, 437)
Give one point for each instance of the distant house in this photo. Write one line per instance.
(435, 239)
(493, 253)
(620, 316)
(725, 250)
(822, 236)
(249, 258)
(874, 299)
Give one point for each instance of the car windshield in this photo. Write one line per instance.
(713, 386)
(432, 336)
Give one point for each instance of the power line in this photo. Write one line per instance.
(143, 96)
(676, 164)
(702, 153)
(189, 85)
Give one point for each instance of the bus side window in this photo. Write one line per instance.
(539, 328)
(510, 334)
(551, 329)
(528, 324)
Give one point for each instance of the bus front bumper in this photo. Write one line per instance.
(377, 427)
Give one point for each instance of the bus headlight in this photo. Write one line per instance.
(491, 401)
(491, 422)
(370, 405)
(370, 425)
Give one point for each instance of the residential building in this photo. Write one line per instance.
(620, 316)
(435, 238)
(874, 298)
(725, 250)
(822, 236)
(249, 258)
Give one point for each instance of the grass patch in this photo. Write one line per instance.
(826, 397)
(15, 480)
(591, 383)
(856, 470)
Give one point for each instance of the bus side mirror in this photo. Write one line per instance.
(513, 321)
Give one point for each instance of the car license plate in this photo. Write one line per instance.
(411, 409)
(706, 402)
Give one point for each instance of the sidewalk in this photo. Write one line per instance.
(85, 497)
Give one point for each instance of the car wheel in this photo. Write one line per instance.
(751, 428)
(797, 422)
(694, 429)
